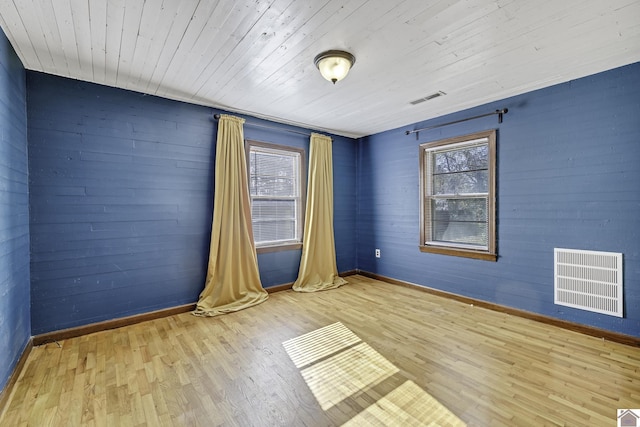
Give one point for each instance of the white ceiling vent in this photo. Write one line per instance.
(589, 280)
(427, 98)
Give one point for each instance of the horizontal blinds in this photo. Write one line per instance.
(274, 188)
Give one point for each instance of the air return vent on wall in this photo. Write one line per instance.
(588, 280)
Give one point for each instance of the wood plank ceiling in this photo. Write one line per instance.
(256, 56)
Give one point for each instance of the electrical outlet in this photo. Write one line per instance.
(377, 253)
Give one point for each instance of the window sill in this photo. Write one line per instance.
(485, 256)
(278, 248)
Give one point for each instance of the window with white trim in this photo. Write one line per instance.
(457, 187)
(276, 188)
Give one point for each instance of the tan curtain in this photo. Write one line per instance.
(233, 281)
(318, 270)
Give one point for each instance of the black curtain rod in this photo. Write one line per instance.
(217, 117)
(500, 113)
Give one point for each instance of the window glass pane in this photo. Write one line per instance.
(262, 210)
(461, 159)
(274, 220)
(273, 186)
(272, 164)
(273, 174)
(274, 231)
(461, 183)
(458, 209)
(460, 221)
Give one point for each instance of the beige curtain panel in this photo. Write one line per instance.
(233, 281)
(318, 269)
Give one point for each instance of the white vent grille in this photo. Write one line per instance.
(588, 280)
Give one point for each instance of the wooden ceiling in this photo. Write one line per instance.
(256, 56)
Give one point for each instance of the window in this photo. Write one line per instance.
(277, 191)
(457, 187)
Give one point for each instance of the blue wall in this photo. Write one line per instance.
(15, 326)
(568, 176)
(121, 202)
(121, 199)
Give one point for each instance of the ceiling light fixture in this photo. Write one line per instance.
(334, 65)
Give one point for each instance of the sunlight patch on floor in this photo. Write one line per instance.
(336, 364)
(348, 372)
(407, 405)
(315, 345)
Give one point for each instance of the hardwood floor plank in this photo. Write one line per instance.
(484, 367)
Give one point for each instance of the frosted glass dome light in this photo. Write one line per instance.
(334, 65)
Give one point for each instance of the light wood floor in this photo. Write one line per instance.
(486, 368)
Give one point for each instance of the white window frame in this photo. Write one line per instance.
(427, 242)
(265, 147)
